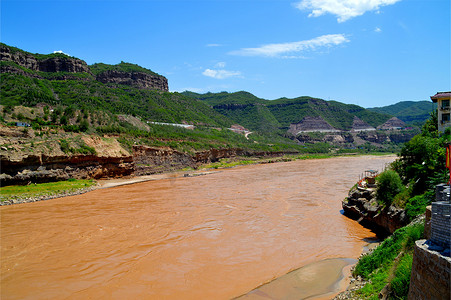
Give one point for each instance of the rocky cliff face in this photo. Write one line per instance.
(43, 168)
(151, 160)
(135, 79)
(26, 158)
(51, 64)
(63, 64)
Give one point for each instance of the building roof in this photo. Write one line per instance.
(441, 95)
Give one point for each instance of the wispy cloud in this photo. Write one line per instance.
(213, 45)
(343, 9)
(61, 52)
(377, 29)
(220, 74)
(220, 64)
(286, 50)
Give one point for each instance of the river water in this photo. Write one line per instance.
(216, 236)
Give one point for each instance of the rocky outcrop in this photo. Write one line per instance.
(152, 160)
(333, 138)
(21, 58)
(359, 125)
(59, 63)
(311, 124)
(63, 64)
(27, 64)
(43, 168)
(136, 79)
(393, 123)
(361, 204)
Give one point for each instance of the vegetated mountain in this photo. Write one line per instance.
(59, 80)
(272, 115)
(243, 108)
(57, 92)
(411, 112)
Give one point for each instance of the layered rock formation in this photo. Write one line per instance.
(311, 124)
(135, 79)
(393, 123)
(43, 168)
(59, 63)
(26, 158)
(62, 64)
(359, 125)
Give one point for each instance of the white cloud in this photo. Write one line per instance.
(214, 45)
(60, 52)
(220, 74)
(343, 9)
(377, 29)
(277, 50)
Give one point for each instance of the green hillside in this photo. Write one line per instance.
(243, 108)
(411, 112)
(272, 115)
(92, 95)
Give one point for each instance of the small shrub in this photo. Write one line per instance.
(416, 206)
(64, 145)
(389, 184)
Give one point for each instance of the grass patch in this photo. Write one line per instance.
(44, 189)
(391, 263)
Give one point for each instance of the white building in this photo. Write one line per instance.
(443, 109)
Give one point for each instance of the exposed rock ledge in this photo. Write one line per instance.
(111, 161)
(136, 79)
(42, 168)
(361, 205)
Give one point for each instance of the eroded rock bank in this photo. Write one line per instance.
(362, 205)
(46, 160)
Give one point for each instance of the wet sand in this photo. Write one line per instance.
(319, 280)
(206, 237)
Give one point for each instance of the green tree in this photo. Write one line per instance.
(420, 159)
(389, 184)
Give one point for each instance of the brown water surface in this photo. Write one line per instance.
(208, 237)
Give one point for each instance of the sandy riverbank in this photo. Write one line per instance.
(320, 280)
(108, 183)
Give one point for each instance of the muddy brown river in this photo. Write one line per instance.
(216, 236)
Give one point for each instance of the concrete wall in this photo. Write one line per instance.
(430, 274)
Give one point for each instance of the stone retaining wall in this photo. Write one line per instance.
(430, 274)
(440, 224)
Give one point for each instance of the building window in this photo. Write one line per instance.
(445, 118)
(445, 104)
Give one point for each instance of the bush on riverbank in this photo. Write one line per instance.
(389, 185)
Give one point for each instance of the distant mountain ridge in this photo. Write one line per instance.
(411, 112)
(281, 114)
(60, 90)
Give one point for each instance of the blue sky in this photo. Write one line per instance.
(364, 52)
